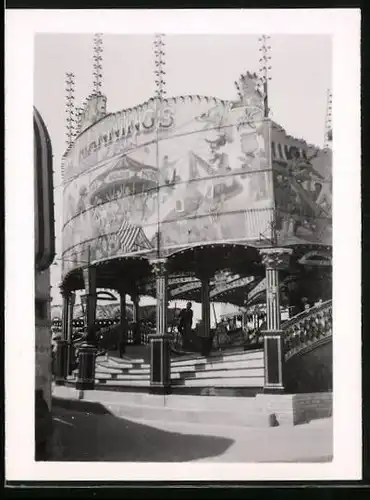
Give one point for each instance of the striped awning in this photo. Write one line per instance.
(44, 195)
(132, 238)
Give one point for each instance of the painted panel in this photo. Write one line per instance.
(196, 170)
(303, 190)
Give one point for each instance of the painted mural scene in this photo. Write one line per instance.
(189, 268)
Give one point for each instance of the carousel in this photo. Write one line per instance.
(196, 199)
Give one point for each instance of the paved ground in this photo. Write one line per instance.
(84, 436)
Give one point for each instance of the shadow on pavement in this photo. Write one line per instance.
(89, 432)
(80, 405)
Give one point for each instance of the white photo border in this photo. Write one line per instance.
(21, 26)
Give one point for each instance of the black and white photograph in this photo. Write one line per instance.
(190, 218)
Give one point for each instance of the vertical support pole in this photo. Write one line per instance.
(71, 303)
(160, 271)
(134, 309)
(274, 260)
(206, 308)
(61, 355)
(87, 352)
(206, 339)
(122, 339)
(136, 318)
(89, 275)
(65, 315)
(160, 365)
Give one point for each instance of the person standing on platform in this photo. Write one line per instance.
(185, 324)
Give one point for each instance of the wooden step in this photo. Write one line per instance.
(227, 374)
(252, 356)
(122, 383)
(221, 382)
(108, 369)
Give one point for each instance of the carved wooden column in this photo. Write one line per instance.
(274, 259)
(89, 276)
(160, 362)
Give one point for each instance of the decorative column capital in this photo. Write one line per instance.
(159, 267)
(276, 258)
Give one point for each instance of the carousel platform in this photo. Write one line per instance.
(235, 379)
(235, 371)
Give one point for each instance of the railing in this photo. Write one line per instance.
(110, 336)
(307, 327)
(222, 340)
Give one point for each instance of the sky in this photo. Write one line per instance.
(301, 72)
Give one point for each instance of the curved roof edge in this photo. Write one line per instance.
(145, 105)
(186, 99)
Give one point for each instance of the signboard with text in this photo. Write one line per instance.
(195, 170)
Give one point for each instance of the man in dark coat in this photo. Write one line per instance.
(186, 323)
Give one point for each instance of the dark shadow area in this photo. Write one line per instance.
(43, 427)
(85, 432)
(311, 370)
(79, 405)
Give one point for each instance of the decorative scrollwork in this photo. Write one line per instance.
(159, 267)
(307, 327)
(276, 258)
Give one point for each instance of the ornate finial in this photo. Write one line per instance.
(70, 108)
(159, 64)
(328, 122)
(264, 69)
(97, 58)
(247, 87)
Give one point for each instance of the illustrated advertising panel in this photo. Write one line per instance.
(303, 191)
(195, 171)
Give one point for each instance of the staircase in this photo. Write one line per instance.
(232, 373)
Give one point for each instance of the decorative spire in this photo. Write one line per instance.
(70, 108)
(264, 69)
(97, 65)
(159, 72)
(328, 122)
(78, 119)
